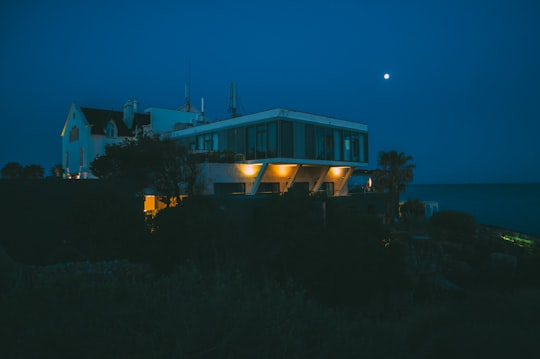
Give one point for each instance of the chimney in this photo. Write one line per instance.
(129, 113)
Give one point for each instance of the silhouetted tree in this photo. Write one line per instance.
(33, 172)
(12, 170)
(394, 174)
(162, 164)
(57, 170)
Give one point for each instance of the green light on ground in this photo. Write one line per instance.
(518, 241)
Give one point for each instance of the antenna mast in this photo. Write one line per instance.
(232, 99)
(187, 89)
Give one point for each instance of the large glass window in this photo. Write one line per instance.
(215, 142)
(272, 140)
(208, 142)
(310, 141)
(329, 144)
(355, 147)
(324, 143)
(346, 145)
(240, 138)
(337, 145)
(286, 140)
(200, 142)
(251, 143)
(319, 143)
(261, 141)
(362, 147)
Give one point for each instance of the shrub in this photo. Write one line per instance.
(454, 222)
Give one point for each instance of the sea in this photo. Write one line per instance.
(514, 206)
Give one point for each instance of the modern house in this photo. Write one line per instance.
(277, 151)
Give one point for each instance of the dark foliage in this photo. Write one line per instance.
(339, 256)
(413, 208)
(56, 221)
(14, 170)
(454, 222)
(152, 162)
(106, 225)
(394, 173)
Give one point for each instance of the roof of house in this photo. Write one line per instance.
(100, 118)
(276, 113)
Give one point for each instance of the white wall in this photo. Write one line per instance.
(163, 120)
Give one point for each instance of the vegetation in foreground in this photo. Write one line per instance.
(295, 278)
(223, 315)
(288, 285)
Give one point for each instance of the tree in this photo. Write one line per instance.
(12, 170)
(395, 172)
(57, 170)
(33, 172)
(152, 162)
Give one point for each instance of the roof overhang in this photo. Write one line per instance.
(269, 115)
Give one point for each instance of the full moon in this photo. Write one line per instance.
(386, 76)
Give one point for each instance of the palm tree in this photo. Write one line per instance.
(394, 174)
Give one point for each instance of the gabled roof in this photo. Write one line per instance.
(100, 118)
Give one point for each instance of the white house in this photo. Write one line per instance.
(87, 131)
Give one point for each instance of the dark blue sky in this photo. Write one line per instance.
(463, 98)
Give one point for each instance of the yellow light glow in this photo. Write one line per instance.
(250, 169)
(336, 171)
(283, 170)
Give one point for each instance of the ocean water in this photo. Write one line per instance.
(512, 206)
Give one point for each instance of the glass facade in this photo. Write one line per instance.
(280, 139)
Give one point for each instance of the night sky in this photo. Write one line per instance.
(463, 98)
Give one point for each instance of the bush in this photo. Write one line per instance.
(187, 314)
(454, 222)
(413, 208)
